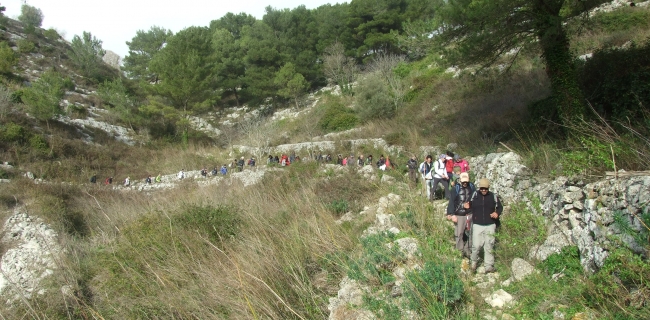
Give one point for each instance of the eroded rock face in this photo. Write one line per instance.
(31, 257)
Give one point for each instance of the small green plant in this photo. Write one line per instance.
(434, 290)
(566, 262)
(51, 34)
(25, 46)
(8, 58)
(14, 133)
(338, 207)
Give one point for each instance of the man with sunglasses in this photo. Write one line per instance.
(458, 211)
(486, 209)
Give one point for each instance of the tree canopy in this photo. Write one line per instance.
(142, 48)
(87, 53)
(30, 16)
(482, 31)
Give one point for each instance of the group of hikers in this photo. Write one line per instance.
(475, 212)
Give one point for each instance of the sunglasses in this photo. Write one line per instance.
(483, 189)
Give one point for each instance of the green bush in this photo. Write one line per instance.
(44, 96)
(337, 117)
(373, 100)
(8, 58)
(25, 46)
(51, 34)
(434, 290)
(567, 262)
(38, 143)
(14, 133)
(621, 288)
(338, 207)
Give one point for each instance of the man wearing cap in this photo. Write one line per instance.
(458, 211)
(486, 209)
(440, 176)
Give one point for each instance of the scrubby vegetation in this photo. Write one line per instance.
(273, 250)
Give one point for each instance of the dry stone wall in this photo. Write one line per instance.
(578, 213)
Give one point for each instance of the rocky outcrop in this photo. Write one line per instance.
(112, 59)
(30, 258)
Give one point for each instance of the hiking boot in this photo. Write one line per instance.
(490, 269)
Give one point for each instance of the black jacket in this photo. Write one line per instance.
(483, 205)
(457, 199)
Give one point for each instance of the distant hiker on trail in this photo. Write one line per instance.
(344, 161)
(93, 179)
(462, 163)
(240, 164)
(269, 160)
(459, 210)
(108, 180)
(147, 180)
(127, 181)
(449, 164)
(214, 171)
(181, 174)
(158, 178)
(204, 172)
(224, 170)
(381, 163)
(426, 169)
(361, 161)
(292, 157)
(284, 161)
(328, 158)
(440, 176)
(412, 165)
(486, 209)
(388, 164)
(251, 162)
(369, 160)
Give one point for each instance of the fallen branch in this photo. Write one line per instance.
(627, 173)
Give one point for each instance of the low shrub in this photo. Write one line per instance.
(435, 290)
(337, 117)
(25, 46)
(373, 100)
(8, 58)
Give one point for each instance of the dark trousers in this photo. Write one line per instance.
(445, 186)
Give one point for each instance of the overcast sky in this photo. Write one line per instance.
(115, 22)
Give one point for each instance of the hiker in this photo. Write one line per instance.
(381, 163)
(148, 180)
(158, 178)
(204, 172)
(427, 174)
(369, 160)
(328, 159)
(344, 161)
(449, 164)
(440, 176)
(388, 164)
(240, 164)
(412, 165)
(459, 210)
(93, 179)
(269, 160)
(361, 161)
(486, 209)
(339, 160)
(292, 157)
(462, 163)
(181, 174)
(108, 180)
(127, 181)
(224, 170)
(251, 163)
(214, 171)
(455, 177)
(284, 161)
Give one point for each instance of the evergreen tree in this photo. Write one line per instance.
(142, 48)
(87, 53)
(44, 96)
(291, 83)
(30, 16)
(184, 67)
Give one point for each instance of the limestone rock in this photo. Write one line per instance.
(500, 299)
(521, 269)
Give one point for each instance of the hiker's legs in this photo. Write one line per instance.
(430, 190)
(445, 185)
(435, 187)
(477, 241)
(489, 245)
(461, 241)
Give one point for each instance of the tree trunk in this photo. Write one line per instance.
(561, 69)
(234, 90)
